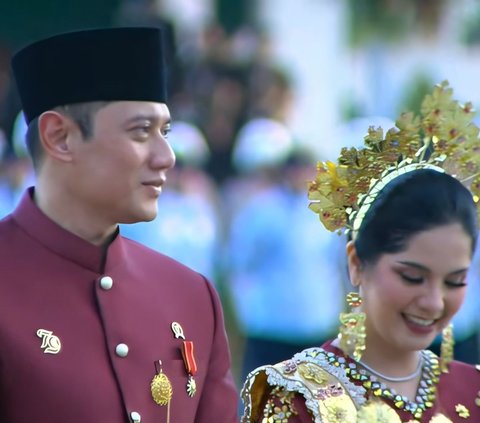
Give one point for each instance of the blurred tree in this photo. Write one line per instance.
(24, 21)
(471, 29)
(417, 87)
(391, 20)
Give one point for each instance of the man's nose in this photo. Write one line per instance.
(162, 155)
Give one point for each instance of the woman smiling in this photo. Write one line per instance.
(412, 225)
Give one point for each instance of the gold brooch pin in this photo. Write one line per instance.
(50, 343)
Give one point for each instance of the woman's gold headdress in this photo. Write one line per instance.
(443, 138)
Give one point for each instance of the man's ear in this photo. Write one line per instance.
(354, 264)
(53, 131)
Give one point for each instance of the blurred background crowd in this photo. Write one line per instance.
(259, 91)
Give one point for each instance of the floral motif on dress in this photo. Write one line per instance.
(279, 406)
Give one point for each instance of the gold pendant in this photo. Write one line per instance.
(191, 386)
(161, 388)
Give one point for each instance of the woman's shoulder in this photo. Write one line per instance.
(460, 377)
(458, 372)
(458, 390)
(459, 366)
(313, 374)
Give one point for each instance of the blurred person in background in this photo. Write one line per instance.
(16, 171)
(5, 56)
(264, 263)
(94, 326)
(146, 13)
(273, 284)
(216, 83)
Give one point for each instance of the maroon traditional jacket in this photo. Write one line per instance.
(78, 348)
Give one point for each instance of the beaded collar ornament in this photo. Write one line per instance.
(442, 138)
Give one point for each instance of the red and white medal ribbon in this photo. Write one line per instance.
(190, 366)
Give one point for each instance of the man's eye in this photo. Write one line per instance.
(166, 131)
(141, 130)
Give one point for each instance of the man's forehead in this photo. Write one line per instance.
(138, 110)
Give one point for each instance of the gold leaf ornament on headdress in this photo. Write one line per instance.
(442, 138)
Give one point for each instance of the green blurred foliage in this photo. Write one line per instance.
(23, 21)
(389, 21)
(233, 14)
(471, 29)
(369, 20)
(420, 84)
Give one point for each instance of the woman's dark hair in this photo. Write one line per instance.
(411, 203)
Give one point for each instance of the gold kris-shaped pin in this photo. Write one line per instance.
(50, 343)
(160, 386)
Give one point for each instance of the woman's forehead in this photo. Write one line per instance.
(446, 247)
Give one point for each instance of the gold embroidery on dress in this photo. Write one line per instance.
(440, 418)
(426, 393)
(377, 412)
(462, 411)
(477, 399)
(279, 407)
(337, 409)
(313, 372)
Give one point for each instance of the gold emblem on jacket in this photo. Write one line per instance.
(50, 343)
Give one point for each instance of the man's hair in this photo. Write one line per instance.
(81, 113)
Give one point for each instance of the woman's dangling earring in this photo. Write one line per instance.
(446, 348)
(352, 330)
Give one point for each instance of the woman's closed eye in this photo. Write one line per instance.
(414, 279)
(456, 282)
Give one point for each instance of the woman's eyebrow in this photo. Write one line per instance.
(425, 268)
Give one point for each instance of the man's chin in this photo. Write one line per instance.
(144, 216)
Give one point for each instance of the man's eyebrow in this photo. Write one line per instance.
(143, 117)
